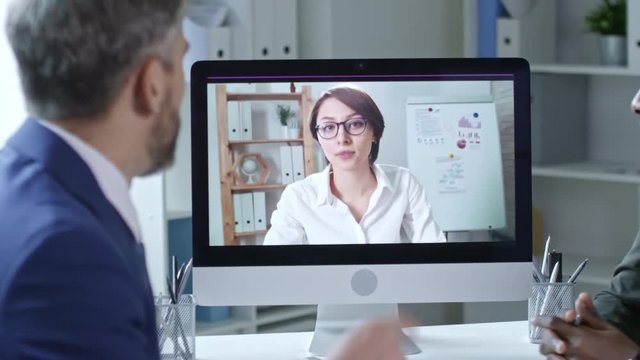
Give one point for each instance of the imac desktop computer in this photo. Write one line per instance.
(450, 217)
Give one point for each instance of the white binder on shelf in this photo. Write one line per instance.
(263, 29)
(285, 29)
(508, 37)
(533, 36)
(297, 160)
(286, 165)
(220, 43)
(259, 211)
(233, 120)
(245, 121)
(247, 212)
(237, 213)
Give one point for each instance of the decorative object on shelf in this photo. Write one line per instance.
(609, 21)
(292, 87)
(250, 168)
(518, 8)
(287, 120)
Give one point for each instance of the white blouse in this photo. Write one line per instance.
(398, 212)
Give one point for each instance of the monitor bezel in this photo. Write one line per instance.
(244, 71)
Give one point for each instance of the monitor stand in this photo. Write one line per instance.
(334, 321)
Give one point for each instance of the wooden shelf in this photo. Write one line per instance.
(223, 327)
(250, 233)
(178, 214)
(264, 319)
(596, 171)
(226, 153)
(263, 96)
(293, 325)
(273, 314)
(583, 69)
(266, 141)
(239, 188)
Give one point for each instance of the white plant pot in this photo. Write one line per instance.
(294, 133)
(285, 131)
(613, 49)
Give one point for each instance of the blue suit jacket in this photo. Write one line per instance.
(73, 282)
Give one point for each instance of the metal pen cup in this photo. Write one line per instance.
(176, 326)
(548, 299)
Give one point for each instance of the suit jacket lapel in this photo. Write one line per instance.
(65, 165)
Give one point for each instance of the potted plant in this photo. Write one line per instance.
(287, 120)
(294, 128)
(609, 21)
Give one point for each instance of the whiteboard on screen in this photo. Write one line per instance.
(454, 151)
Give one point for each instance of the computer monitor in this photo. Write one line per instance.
(460, 126)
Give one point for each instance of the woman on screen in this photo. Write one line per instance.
(354, 200)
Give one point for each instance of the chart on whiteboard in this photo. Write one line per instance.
(453, 149)
(451, 175)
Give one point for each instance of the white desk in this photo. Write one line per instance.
(504, 340)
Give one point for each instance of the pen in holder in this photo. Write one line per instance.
(548, 299)
(176, 326)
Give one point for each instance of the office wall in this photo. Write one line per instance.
(380, 28)
(11, 99)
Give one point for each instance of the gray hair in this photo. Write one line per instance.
(74, 56)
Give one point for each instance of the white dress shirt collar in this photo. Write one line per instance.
(110, 179)
(325, 196)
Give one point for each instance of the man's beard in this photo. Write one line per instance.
(162, 143)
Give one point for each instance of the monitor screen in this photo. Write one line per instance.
(438, 148)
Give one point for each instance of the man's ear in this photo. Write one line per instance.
(148, 85)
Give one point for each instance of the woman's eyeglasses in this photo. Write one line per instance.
(329, 129)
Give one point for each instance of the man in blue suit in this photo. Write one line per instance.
(103, 83)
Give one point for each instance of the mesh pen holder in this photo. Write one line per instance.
(176, 326)
(548, 299)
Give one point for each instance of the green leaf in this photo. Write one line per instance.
(608, 18)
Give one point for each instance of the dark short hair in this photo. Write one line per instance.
(74, 56)
(358, 100)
